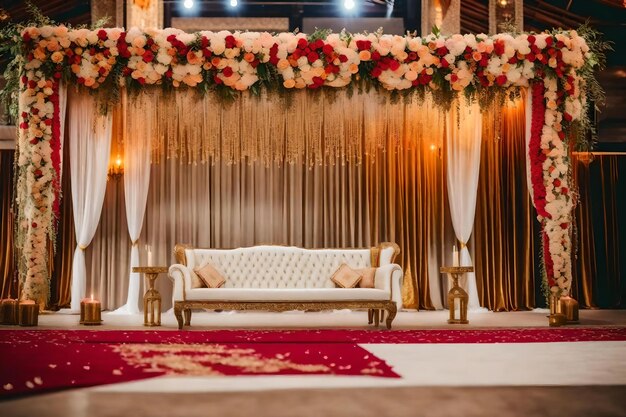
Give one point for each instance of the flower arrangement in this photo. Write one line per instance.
(556, 66)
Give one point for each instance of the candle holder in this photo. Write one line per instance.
(90, 312)
(557, 318)
(9, 311)
(569, 307)
(457, 293)
(28, 313)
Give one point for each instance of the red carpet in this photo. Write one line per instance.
(44, 360)
(36, 361)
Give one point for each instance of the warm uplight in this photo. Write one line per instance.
(433, 147)
(188, 4)
(116, 169)
(503, 3)
(348, 4)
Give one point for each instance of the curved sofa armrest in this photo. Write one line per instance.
(182, 281)
(389, 278)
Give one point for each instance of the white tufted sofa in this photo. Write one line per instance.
(279, 278)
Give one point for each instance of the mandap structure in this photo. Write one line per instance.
(554, 70)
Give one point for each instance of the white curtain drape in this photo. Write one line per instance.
(463, 140)
(62, 111)
(90, 142)
(137, 148)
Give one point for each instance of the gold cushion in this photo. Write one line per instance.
(346, 277)
(368, 275)
(210, 276)
(196, 282)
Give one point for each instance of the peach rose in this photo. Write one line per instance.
(365, 55)
(215, 61)
(193, 58)
(57, 57)
(289, 83)
(89, 82)
(249, 57)
(283, 64)
(353, 68)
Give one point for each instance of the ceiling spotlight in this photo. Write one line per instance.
(188, 4)
(348, 4)
(233, 3)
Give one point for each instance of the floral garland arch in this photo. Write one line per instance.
(556, 67)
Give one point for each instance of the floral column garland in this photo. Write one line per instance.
(553, 65)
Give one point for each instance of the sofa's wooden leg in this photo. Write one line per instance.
(370, 316)
(392, 309)
(376, 317)
(178, 312)
(187, 317)
(382, 315)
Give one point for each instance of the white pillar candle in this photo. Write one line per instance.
(455, 256)
(149, 256)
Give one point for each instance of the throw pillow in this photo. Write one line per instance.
(346, 277)
(368, 275)
(211, 277)
(196, 282)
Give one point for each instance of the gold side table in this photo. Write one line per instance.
(152, 297)
(456, 292)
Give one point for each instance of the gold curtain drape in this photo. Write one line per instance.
(326, 198)
(505, 225)
(7, 255)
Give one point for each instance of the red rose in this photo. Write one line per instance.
(34, 111)
(230, 41)
(141, 80)
(102, 35)
(168, 73)
(318, 44)
(412, 56)
(498, 47)
(530, 57)
(23, 125)
(148, 56)
(564, 190)
(171, 38)
(531, 39)
(302, 43)
(375, 56)
(255, 63)
(217, 80)
(32, 84)
(376, 72)
(444, 63)
(327, 49)
(38, 173)
(556, 182)
(48, 122)
(33, 224)
(57, 75)
(564, 225)
(394, 65)
(312, 57)
(228, 71)
(204, 41)
(318, 80)
(101, 70)
(501, 80)
(549, 40)
(343, 58)
(513, 60)
(26, 37)
(34, 141)
(442, 51)
(206, 53)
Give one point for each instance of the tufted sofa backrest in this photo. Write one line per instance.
(279, 266)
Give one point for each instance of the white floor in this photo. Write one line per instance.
(580, 363)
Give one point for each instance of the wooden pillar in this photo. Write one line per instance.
(506, 13)
(445, 14)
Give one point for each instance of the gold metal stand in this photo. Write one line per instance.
(152, 297)
(569, 307)
(457, 293)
